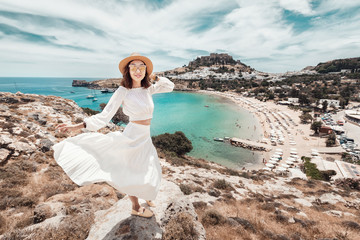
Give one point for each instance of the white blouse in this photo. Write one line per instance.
(137, 104)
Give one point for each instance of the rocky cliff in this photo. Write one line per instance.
(197, 200)
(98, 84)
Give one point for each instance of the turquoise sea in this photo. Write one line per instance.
(176, 111)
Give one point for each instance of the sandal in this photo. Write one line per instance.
(150, 203)
(146, 213)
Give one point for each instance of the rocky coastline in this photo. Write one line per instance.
(197, 200)
(98, 84)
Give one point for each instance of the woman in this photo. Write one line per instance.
(128, 161)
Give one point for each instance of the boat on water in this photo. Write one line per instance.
(206, 106)
(92, 96)
(107, 90)
(226, 138)
(94, 99)
(72, 92)
(219, 139)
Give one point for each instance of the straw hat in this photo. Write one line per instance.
(136, 56)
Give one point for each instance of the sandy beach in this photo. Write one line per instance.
(282, 122)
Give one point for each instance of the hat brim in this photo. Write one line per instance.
(147, 61)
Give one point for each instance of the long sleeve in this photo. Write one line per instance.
(100, 120)
(162, 86)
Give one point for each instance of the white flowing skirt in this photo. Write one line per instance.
(126, 160)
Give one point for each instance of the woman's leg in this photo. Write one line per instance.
(135, 203)
(139, 211)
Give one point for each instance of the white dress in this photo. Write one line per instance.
(126, 160)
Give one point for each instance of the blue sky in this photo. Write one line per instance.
(88, 38)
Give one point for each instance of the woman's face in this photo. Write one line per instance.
(137, 70)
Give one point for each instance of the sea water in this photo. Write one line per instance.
(201, 117)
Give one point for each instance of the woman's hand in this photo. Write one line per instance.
(153, 77)
(67, 127)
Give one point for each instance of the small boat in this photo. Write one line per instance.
(219, 139)
(90, 96)
(94, 99)
(72, 92)
(226, 138)
(206, 106)
(107, 90)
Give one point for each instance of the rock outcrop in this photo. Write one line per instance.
(98, 84)
(117, 223)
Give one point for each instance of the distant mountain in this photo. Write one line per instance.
(338, 65)
(217, 59)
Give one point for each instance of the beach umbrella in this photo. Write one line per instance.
(274, 159)
(315, 153)
(279, 150)
(281, 169)
(293, 149)
(267, 169)
(278, 153)
(270, 165)
(293, 153)
(289, 162)
(285, 165)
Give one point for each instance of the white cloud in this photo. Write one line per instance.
(253, 29)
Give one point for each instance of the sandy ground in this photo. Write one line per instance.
(299, 133)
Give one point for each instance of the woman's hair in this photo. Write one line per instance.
(127, 81)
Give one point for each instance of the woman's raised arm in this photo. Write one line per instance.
(162, 86)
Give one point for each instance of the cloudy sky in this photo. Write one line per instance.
(87, 38)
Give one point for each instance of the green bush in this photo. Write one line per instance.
(311, 170)
(176, 142)
(331, 140)
(89, 111)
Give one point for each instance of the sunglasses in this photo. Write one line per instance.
(134, 68)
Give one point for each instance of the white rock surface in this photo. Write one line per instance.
(331, 198)
(117, 223)
(303, 202)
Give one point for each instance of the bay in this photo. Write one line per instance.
(201, 117)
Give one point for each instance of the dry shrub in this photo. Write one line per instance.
(25, 220)
(7, 194)
(13, 198)
(13, 176)
(180, 227)
(54, 172)
(212, 217)
(270, 207)
(351, 225)
(186, 189)
(199, 205)
(228, 171)
(222, 184)
(72, 227)
(2, 224)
